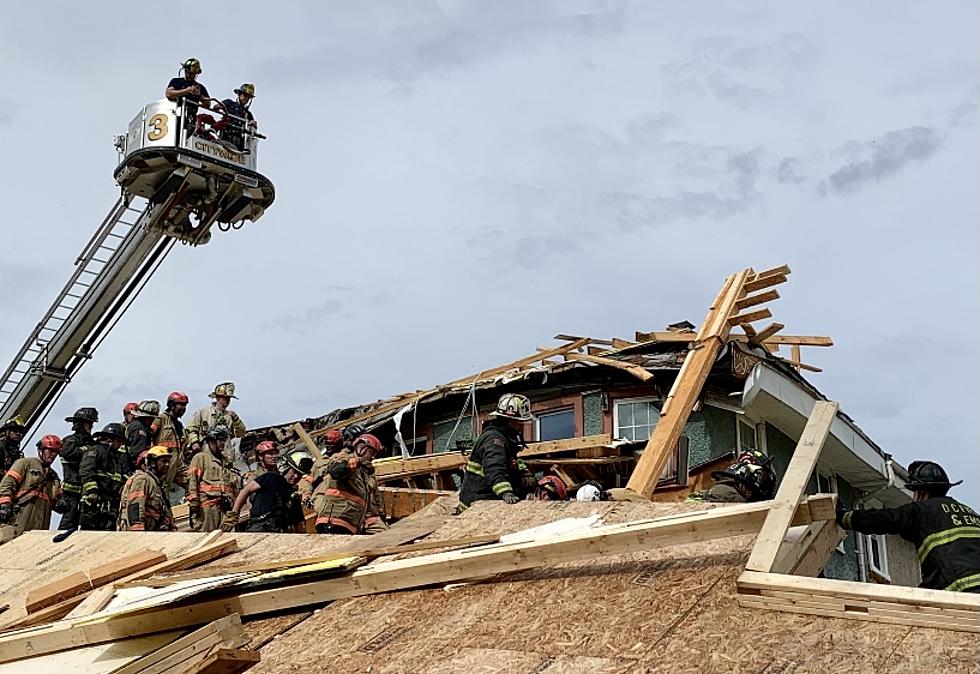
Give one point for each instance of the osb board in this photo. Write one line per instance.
(667, 610)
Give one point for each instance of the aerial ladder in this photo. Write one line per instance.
(176, 183)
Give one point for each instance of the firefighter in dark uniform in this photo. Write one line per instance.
(749, 479)
(140, 432)
(494, 471)
(72, 450)
(946, 532)
(11, 434)
(102, 474)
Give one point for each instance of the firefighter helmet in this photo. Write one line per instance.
(129, 408)
(753, 473)
(192, 65)
(248, 89)
(147, 408)
(218, 432)
(513, 406)
(227, 389)
(298, 460)
(352, 432)
(89, 414)
(552, 488)
(177, 398)
(110, 431)
(154, 452)
(52, 442)
(14, 423)
(928, 475)
(266, 446)
(370, 440)
(333, 438)
(590, 491)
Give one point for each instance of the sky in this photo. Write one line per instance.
(457, 182)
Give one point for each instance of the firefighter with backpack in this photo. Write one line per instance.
(31, 490)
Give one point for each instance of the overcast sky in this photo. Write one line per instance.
(459, 181)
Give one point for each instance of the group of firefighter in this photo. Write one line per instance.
(126, 476)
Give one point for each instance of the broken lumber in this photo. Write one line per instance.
(635, 370)
(225, 661)
(190, 648)
(81, 581)
(307, 441)
(801, 465)
(414, 572)
(810, 552)
(403, 501)
(396, 468)
(570, 444)
(913, 606)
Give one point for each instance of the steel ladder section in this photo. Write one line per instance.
(44, 363)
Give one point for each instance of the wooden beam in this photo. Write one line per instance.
(893, 604)
(821, 540)
(395, 468)
(749, 317)
(403, 501)
(46, 615)
(755, 300)
(790, 491)
(764, 282)
(687, 387)
(413, 572)
(226, 661)
(687, 337)
(802, 340)
(307, 440)
(781, 270)
(567, 445)
(76, 583)
(227, 631)
(632, 368)
(764, 334)
(94, 601)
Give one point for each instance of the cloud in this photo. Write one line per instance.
(884, 157)
(789, 171)
(7, 110)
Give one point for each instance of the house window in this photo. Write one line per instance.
(635, 419)
(827, 484)
(748, 437)
(556, 425)
(877, 555)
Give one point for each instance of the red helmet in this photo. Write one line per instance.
(266, 446)
(130, 407)
(553, 487)
(370, 440)
(50, 442)
(334, 437)
(177, 398)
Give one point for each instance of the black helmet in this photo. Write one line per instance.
(928, 475)
(352, 432)
(219, 431)
(299, 460)
(84, 414)
(110, 431)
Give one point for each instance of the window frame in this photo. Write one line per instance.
(882, 542)
(550, 412)
(639, 399)
(740, 420)
(831, 479)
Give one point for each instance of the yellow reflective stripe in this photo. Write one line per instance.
(69, 486)
(502, 487)
(964, 583)
(946, 536)
(474, 467)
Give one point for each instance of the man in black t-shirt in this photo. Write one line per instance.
(233, 126)
(188, 88)
(276, 506)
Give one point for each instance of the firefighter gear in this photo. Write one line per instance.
(206, 418)
(139, 438)
(212, 484)
(11, 433)
(102, 474)
(513, 406)
(143, 505)
(343, 497)
(170, 434)
(28, 493)
(72, 450)
(946, 533)
(750, 479)
(494, 471)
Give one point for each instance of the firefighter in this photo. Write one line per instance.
(748, 480)
(266, 447)
(551, 488)
(128, 410)
(30, 490)
(945, 531)
(215, 414)
(102, 474)
(72, 448)
(233, 129)
(343, 498)
(11, 434)
(170, 434)
(494, 471)
(333, 442)
(352, 433)
(212, 483)
(143, 505)
(276, 505)
(140, 432)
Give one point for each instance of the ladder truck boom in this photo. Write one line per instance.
(175, 186)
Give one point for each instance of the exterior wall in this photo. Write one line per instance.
(903, 561)
(442, 430)
(711, 432)
(592, 414)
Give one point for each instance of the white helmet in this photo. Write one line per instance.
(513, 406)
(588, 492)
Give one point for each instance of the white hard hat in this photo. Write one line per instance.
(588, 492)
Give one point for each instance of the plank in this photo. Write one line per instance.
(686, 388)
(307, 441)
(48, 614)
(790, 491)
(766, 333)
(396, 468)
(635, 370)
(764, 282)
(403, 501)
(74, 584)
(781, 270)
(228, 629)
(809, 554)
(750, 317)
(569, 444)
(755, 300)
(94, 601)
(433, 569)
(226, 661)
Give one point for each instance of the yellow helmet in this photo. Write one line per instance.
(248, 89)
(226, 389)
(14, 424)
(192, 65)
(157, 451)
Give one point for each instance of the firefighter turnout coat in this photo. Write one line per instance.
(212, 484)
(143, 505)
(207, 418)
(493, 468)
(170, 434)
(343, 497)
(946, 533)
(102, 474)
(31, 489)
